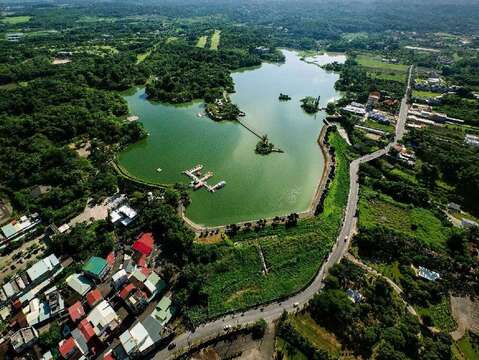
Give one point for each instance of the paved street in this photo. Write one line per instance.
(273, 311)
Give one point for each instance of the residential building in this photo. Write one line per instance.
(103, 319)
(152, 284)
(354, 295)
(143, 247)
(142, 337)
(355, 109)
(135, 299)
(76, 311)
(18, 229)
(23, 339)
(468, 223)
(80, 283)
(38, 312)
(94, 297)
(163, 311)
(119, 279)
(69, 349)
(96, 267)
(124, 214)
(428, 274)
(471, 140)
(454, 208)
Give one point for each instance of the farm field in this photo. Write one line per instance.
(201, 43)
(380, 210)
(13, 20)
(292, 255)
(315, 334)
(370, 62)
(440, 315)
(215, 40)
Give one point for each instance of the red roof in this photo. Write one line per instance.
(94, 297)
(145, 271)
(67, 347)
(76, 311)
(86, 329)
(144, 244)
(110, 259)
(109, 356)
(127, 290)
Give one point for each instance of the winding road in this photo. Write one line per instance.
(273, 311)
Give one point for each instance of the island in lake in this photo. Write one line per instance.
(284, 97)
(310, 104)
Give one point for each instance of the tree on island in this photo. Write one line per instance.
(284, 97)
(310, 104)
(264, 147)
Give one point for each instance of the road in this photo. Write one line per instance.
(273, 311)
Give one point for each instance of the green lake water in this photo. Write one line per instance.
(256, 186)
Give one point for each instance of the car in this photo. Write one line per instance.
(296, 304)
(171, 346)
(226, 327)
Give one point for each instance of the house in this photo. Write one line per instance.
(355, 108)
(428, 274)
(103, 319)
(27, 284)
(18, 229)
(79, 283)
(134, 298)
(69, 349)
(94, 297)
(379, 117)
(354, 295)
(76, 311)
(37, 312)
(468, 223)
(163, 311)
(14, 37)
(373, 99)
(143, 247)
(23, 339)
(96, 267)
(142, 337)
(152, 284)
(124, 214)
(471, 140)
(119, 279)
(454, 208)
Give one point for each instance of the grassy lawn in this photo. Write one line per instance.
(376, 209)
(372, 62)
(440, 315)
(465, 348)
(390, 76)
(201, 43)
(215, 40)
(315, 334)
(289, 351)
(13, 20)
(293, 256)
(375, 125)
(424, 94)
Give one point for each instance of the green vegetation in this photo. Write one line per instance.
(15, 20)
(372, 62)
(215, 40)
(389, 129)
(466, 348)
(201, 43)
(424, 94)
(264, 147)
(440, 316)
(293, 254)
(310, 104)
(288, 351)
(379, 210)
(461, 108)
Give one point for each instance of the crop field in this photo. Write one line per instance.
(370, 62)
(201, 43)
(14, 20)
(293, 255)
(215, 40)
(441, 315)
(319, 337)
(380, 210)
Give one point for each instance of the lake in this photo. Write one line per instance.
(256, 186)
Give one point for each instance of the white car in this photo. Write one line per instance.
(296, 304)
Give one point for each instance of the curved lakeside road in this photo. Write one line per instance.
(273, 311)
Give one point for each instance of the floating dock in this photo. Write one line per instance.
(198, 180)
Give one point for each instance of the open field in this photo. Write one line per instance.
(292, 255)
(315, 334)
(440, 315)
(466, 348)
(201, 43)
(13, 20)
(215, 40)
(379, 210)
(289, 351)
(378, 126)
(371, 62)
(424, 94)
